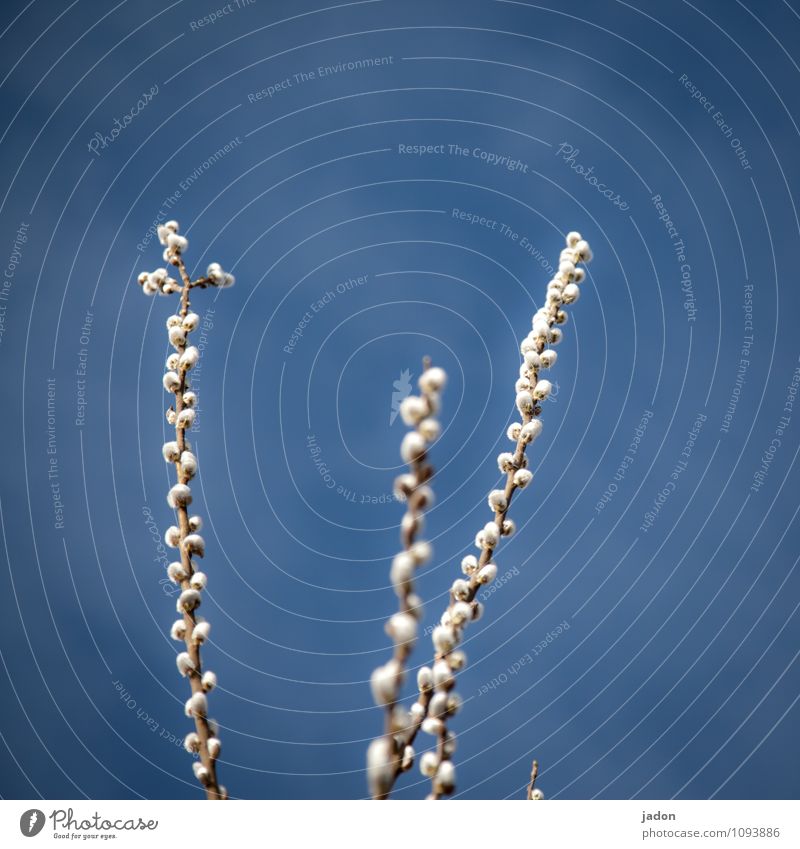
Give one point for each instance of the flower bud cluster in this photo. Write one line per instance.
(175, 246)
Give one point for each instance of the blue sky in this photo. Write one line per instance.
(395, 179)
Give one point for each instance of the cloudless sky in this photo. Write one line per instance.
(642, 638)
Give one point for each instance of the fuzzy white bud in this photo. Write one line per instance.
(438, 705)
(404, 485)
(460, 589)
(412, 447)
(444, 638)
(191, 742)
(201, 773)
(566, 269)
(209, 681)
(505, 461)
(531, 429)
(421, 552)
(177, 244)
(189, 358)
(443, 675)
(178, 630)
(171, 381)
(461, 612)
(453, 704)
(427, 764)
(457, 660)
(487, 574)
(522, 478)
(401, 572)
(200, 632)
(431, 725)
(188, 464)
(548, 358)
(196, 705)
(542, 389)
(525, 401)
(380, 772)
(179, 495)
(195, 544)
(188, 600)
(402, 628)
(584, 251)
(445, 778)
(429, 429)
(170, 451)
(424, 678)
(177, 336)
(172, 536)
(498, 501)
(385, 682)
(175, 572)
(469, 565)
(184, 663)
(491, 535)
(185, 418)
(432, 380)
(413, 410)
(190, 322)
(532, 360)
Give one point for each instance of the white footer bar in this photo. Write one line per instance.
(333, 824)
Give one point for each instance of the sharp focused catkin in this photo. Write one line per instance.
(191, 629)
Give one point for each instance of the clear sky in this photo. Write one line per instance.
(390, 179)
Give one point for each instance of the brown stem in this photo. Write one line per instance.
(487, 550)
(534, 773)
(422, 473)
(202, 726)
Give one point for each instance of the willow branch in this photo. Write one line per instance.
(531, 390)
(191, 629)
(393, 753)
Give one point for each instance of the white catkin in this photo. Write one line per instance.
(480, 571)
